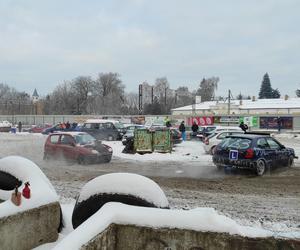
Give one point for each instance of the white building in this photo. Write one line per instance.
(245, 107)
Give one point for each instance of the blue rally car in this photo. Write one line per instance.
(252, 151)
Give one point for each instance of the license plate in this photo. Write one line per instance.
(233, 155)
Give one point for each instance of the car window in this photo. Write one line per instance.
(273, 144)
(84, 139)
(262, 143)
(108, 125)
(236, 143)
(54, 139)
(222, 135)
(95, 125)
(87, 125)
(66, 139)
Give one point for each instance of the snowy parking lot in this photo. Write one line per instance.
(187, 176)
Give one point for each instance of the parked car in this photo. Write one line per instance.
(129, 134)
(252, 151)
(76, 146)
(39, 128)
(58, 127)
(209, 130)
(103, 129)
(211, 141)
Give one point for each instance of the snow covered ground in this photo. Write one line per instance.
(188, 178)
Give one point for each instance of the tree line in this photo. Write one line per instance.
(106, 95)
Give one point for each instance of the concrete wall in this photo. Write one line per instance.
(31, 228)
(123, 237)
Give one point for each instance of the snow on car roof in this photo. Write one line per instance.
(101, 121)
(42, 191)
(199, 219)
(125, 183)
(72, 133)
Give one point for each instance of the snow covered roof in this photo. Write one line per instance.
(72, 133)
(278, 103)
(42, 191)
(125, 183)
(199, 219)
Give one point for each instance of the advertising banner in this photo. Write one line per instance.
(250, 121)
(201, 121)
(227, 119)
(273, 122)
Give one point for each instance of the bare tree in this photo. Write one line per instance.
(207, 88)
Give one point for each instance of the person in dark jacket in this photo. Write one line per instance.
(243, 126)
(20, 127)
(182, 130)
(195, 128)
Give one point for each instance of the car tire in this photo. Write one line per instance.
(212, 150)
(291, 161)
(110, 138)
(46, 157)
(220, 167)
(261, 167)
(81, 160)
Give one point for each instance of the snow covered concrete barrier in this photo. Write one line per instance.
(35, 220)
(118, 226)
(131, 189)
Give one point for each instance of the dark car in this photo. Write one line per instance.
(59, 127)
(103, 129)
(76, 146)
(251, 151)
(129, 134)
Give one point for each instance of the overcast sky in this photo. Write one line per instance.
(43, 43)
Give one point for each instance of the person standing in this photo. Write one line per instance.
(20, 127)
(243, 126)
(279, 124)
(195, 128)
(182, 130)
(168, 122)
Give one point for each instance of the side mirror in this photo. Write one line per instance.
(282, 147)
(73, 144)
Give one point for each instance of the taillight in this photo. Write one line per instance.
(249, 153)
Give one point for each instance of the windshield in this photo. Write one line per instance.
(236, 143)
(83, 139)
(119, 125)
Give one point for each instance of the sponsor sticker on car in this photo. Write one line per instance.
(233, 155)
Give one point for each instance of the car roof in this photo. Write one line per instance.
(250, 136)
(72, 133)
(100, 121)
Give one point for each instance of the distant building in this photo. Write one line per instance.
(245, 107)
(35, 96)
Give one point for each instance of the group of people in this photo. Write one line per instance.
(67, 125)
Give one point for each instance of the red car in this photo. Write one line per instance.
(76, 146)
(39, 128)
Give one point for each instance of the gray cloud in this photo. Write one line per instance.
(46, 42)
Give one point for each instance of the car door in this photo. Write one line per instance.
(282, 154)
(266, 152)
(51, 145)
(68, 147)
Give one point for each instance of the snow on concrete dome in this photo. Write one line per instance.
(42, 191)
(125, 183)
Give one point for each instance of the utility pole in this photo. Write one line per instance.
(229, 99)
(140, 98)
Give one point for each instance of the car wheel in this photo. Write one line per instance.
(291, 161)
(212, 150)
(110, 138)
(81, 160)
(220, 167)
(46, 157)
(260, 167)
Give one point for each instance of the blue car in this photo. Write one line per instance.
(252, 151)
(57, 128)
